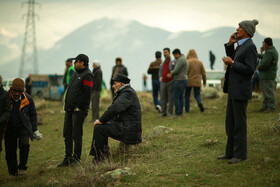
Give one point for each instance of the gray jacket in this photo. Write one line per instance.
(181, 69)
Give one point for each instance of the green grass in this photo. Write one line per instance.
(183, 157)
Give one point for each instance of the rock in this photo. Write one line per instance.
(211, 142)
(159, 130)
(210, 93)
(117, 174)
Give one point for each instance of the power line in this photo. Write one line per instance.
(29, 57)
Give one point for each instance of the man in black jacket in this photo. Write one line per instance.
(21, 126)
(121, 121)
(242, 63)
(76, 107)
(96, 89)
(5, 111)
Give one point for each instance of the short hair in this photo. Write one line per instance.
(1, 79)
(176, 51)
(158, 54)
(167, 49)
(119, 59)
(268, 41)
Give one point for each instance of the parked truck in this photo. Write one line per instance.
(47, 86)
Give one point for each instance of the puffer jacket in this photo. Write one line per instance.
(196, 69)
(124, 116)
(27, 113)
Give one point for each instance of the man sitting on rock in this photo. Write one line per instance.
(121, 121)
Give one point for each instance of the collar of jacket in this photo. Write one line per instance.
(23, 101)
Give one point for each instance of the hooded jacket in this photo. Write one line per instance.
(27, 113)
(196, 69)
(124, 116)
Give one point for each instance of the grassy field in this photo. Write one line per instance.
(185, 157)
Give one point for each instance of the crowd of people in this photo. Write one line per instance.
(172, 80)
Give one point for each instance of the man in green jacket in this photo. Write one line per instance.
(268, 71)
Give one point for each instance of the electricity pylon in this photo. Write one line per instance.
(29, 58)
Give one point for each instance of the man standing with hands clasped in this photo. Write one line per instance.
(241, 65)
(76, 109)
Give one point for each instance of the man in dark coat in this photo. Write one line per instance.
(96, 89)
(76, 107)
(121, 121)
(118, 68)
(21, 126)
(242, 63)
(5, 111)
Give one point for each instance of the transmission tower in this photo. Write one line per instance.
(29, 58)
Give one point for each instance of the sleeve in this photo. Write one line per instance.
(123, 101)
(32, 114)
(229, 50)
(125, 71)
(177, 68)
(160, 70)
(87, 88)
(99, 79)
(6, 110)
(266, 60)
(71, 72)
(203, 73)
(247, 67)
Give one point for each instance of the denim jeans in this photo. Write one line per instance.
(188, 94)
(179, 87)
(156, 91)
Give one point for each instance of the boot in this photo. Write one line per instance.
(201, 107)
(65, 162)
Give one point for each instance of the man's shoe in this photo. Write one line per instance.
(74, 161)
(162, 115)
(201, 107)
(158, 108)
(22, 172)
(234, 160)
(65, 162)
(224, 157)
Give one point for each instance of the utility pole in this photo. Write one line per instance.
(29, 57)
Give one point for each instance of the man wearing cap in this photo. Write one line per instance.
(76, 107)
(69, 70)
(268, 71)
(21, 126)
(5, 111)
(96, 89)
(241, 65)
(121, 121)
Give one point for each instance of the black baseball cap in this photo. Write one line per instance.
(82, 57)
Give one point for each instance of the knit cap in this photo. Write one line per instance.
(249, 26)
(17, 85)
(97, 63)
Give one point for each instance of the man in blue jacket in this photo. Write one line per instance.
(241, 65)
(21, 126)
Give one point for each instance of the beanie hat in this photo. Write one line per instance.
(97, 63)
(17, 85)
(249, 26)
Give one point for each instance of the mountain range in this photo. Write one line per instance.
(105, 39)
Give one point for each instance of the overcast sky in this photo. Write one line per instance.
(59, 17)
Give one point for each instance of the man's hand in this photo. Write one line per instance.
(169, 75)
(232, 40)
(97, 122)
(227, 60)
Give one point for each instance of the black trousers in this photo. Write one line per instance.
(236, 128)
(1, 136)
(73, 132)
(99, 146)
(14, 136)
